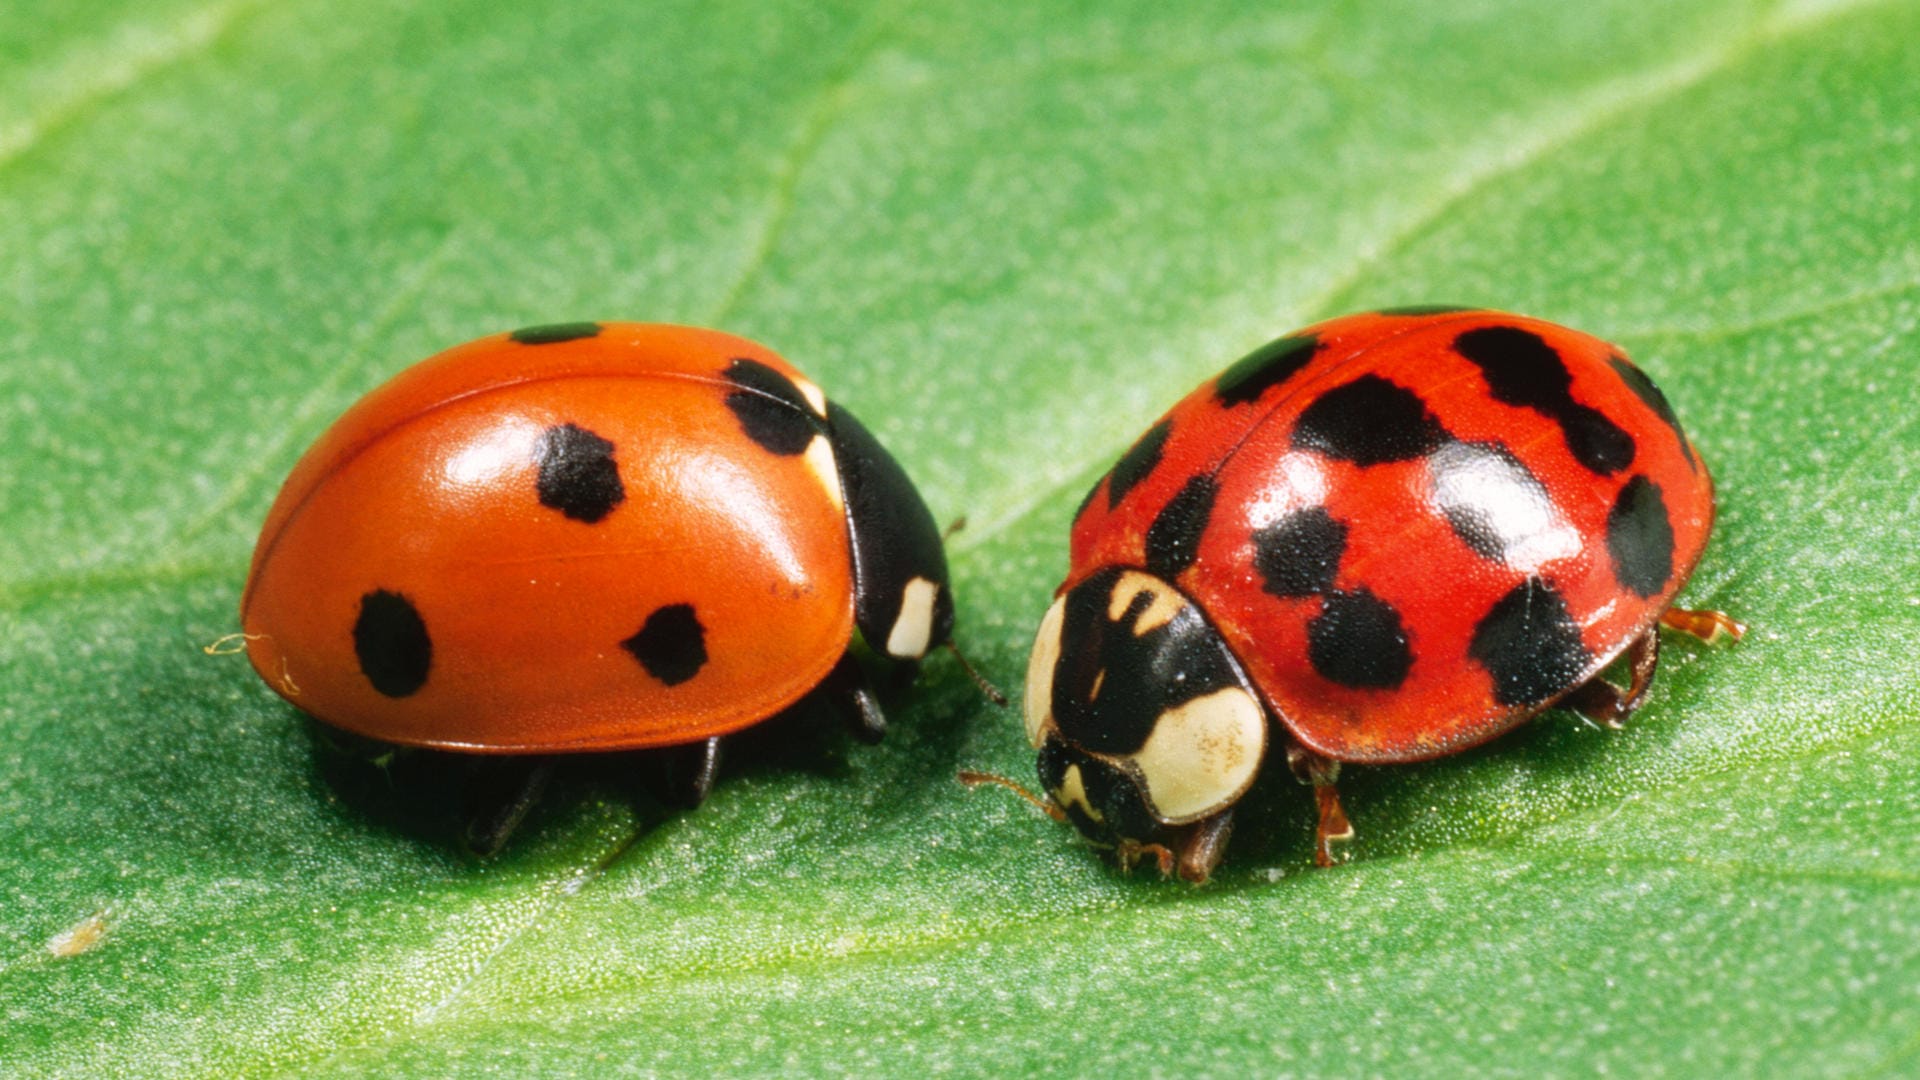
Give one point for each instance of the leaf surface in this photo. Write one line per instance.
(1008, 244)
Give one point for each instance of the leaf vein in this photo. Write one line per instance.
(135, 58)
(1594, 111)
(829, 107)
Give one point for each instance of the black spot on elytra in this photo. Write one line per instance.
(1640, 537)
(771, 410)
(1137, 462)
(578, 476)
(1530, 644)
(1489, 497)
(1597, 442)
(1264, 368)
(1644, 389)
(1087, 500)
(1416, 310)
(1174, 537)
(1299, 555)
(1111, 684)
(1357, 640)
(1369, 421)
(671, 645)
(555, 333)
(1521, 369)
(390, 640)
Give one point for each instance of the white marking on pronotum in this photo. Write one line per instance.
(1202, 755)
(1046, 656)
(819, 458)
(914, 628)
(1073, 792)
(1164, 606)
(813, 395)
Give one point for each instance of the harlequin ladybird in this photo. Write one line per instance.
(595, 536)
(1384, 538)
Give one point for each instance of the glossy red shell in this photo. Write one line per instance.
(1399, 547)
(428, 488)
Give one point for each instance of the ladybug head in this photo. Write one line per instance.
(1145, 723)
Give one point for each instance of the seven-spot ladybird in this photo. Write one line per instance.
(1384, 538)
(591, 536)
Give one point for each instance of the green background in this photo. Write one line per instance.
(1008, 240)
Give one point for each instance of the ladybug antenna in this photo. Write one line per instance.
(974, 779)
(958, 524)
(991, 691)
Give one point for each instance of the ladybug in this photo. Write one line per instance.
(591, 536)
(1384, 538)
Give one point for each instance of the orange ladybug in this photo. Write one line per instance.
(591, 536)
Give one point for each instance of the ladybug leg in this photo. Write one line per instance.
(691, 770)
(497, 808)
(1333, 826)
(1708, 626)
(1205, 846)
(846, 688)
(1608, 705)
(1130, 852)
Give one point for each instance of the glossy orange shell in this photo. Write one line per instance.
(1398, 547)
(427, 487)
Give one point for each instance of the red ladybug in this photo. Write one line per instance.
(1385, 538)
(594, 536)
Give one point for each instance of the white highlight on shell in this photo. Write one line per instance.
(1473, 483)
(1166, 602)
(481, 461)
(1046, 656)
(1298, 481)
(1202, 755)
(813, 395)
(819, 458)
(914, 628)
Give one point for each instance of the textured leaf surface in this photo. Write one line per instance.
(1008, 243)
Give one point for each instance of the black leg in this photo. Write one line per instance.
(689, 772)
(380, 755)
(1608, 705)
(847, 690)
(502, 793)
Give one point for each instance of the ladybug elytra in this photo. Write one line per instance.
(592, 536)
(1384, 538)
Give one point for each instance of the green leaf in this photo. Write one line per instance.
(1008, 240)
